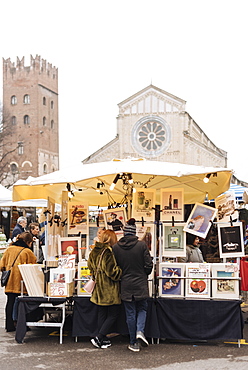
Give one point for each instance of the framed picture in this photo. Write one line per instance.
(77, 218)
(62, 275)
(225, 286)
(199, 219)
(115, 219)
(147, 233)
(84, 275)
(171, 285)
(172, 204)
(226, 206)
(70, 245)
(197, 280)
(231, 241)
(144, 204)
(174, 240)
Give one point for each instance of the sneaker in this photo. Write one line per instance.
(140, 336)
(105, 343)
(134, 347)
(96, 342)
(100, 344)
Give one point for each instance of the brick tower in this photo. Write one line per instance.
(30, 109)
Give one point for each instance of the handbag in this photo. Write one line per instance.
(90, 285)
(5, 277)
(6, 274)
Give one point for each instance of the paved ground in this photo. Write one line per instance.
(41, 350)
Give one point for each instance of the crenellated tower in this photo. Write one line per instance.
(30, 109)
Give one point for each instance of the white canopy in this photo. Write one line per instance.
(83, 181)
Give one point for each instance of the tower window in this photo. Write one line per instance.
(44, 121)
(26, 120)
(52, 124)
(13, 120)
(44, 101)
(20, 148)
(13, 168)
(13, 100)
(44, 168)
(26, 99)
(52, 104)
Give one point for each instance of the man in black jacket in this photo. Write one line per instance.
(19, 227)
(135, 260)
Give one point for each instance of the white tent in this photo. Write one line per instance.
(83, 179)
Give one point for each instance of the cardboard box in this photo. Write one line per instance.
(60, 289)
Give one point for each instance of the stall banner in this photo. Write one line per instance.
(198, 280)
(78, 218)
(172, 204)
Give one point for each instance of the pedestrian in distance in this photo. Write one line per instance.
(20, 252)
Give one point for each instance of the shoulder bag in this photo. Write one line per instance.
(90, 285)
(6, 274)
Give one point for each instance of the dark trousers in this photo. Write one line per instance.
(9, 323)
(107, 315)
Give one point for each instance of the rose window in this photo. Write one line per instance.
(151, 136)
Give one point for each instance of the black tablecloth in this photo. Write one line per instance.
(170, 318)
(85, 313)
(28, 304)
(199, 319)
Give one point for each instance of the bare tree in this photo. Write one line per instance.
(7, 150)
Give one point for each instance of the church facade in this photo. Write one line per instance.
(154, 124)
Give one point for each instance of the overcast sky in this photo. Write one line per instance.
(107, 50)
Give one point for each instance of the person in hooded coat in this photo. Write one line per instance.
(133, 257)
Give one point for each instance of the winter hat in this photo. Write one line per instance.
(130, 227)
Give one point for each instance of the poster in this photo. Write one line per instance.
(147, 234)
(172, 204)
(197, 280)
(199, 221)
(226, 284)
(226, 205)
(144, 204)
(83, 276)
(174, 240)
(171, 285)
(78, 218)
(70, 246)
(115, 220)
(231, 242)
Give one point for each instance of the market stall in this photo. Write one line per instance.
(155, 194)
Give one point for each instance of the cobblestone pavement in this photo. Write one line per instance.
(41, 350)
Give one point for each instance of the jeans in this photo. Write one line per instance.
(135, 317)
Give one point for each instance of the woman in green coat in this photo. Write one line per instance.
(107, 290)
